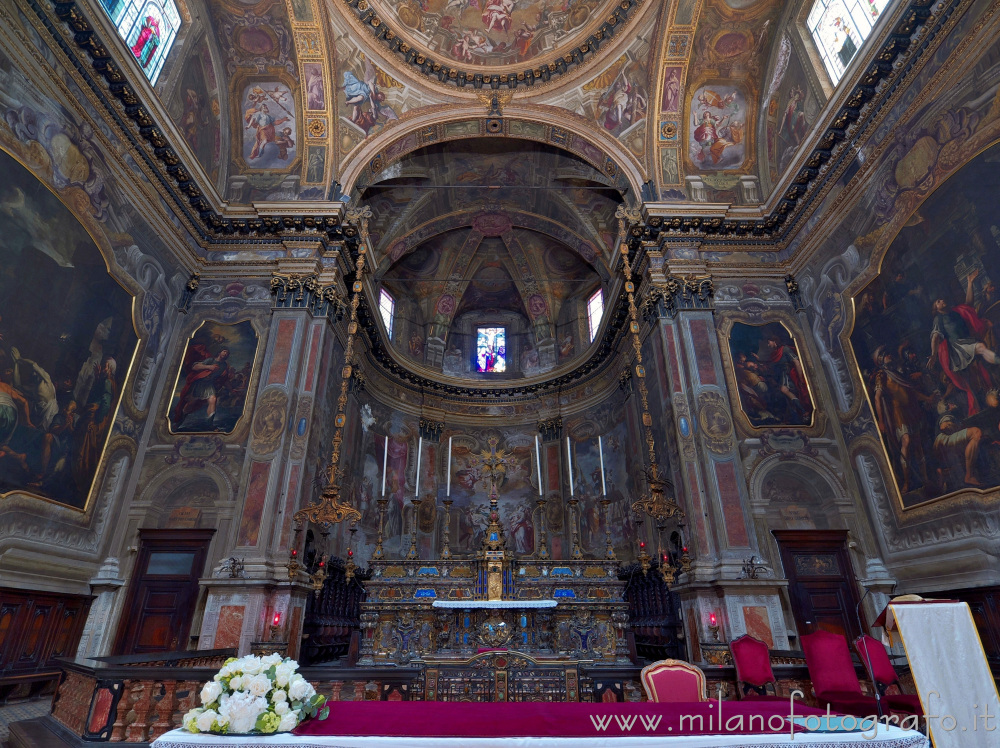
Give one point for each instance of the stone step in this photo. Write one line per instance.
(47, 732)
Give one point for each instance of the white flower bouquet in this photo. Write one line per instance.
(255, 695)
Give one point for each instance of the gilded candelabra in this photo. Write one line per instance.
(350, 567)
(609, 552)
(543, 549)
(293, 565)
(574, 520)
(330, 510)
(319, 576)
(379, 552)
(658, 501)
(446, 549)
(413, 554)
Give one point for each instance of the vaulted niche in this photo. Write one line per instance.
(491, 251)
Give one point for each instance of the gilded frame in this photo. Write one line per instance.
(249, 404)
(817, 424)
(112, 442)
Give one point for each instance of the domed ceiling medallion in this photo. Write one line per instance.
(494, 42)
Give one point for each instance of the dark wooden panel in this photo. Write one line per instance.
(821, 584)
(163, 592)
(36, 627)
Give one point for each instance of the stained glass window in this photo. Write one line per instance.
(491, 349)
(595, 310)
(840, 27)
(148, 27)
(387, 305)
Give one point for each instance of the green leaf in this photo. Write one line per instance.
(325, 713)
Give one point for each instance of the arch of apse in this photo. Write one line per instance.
(561, 128)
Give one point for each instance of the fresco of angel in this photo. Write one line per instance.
(717, 125)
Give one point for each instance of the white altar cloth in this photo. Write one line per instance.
(888, 737)
(950, 671)
(493, 604)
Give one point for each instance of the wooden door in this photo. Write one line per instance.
(821, 584)
(163, 591)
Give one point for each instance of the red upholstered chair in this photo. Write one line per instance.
(753, 669)
(832, 672)
(673, 681)
(883, 674)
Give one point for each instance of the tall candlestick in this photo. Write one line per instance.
(420, 449)
(600, 449)
(569, 463)
(385, 463)
(448, 491)
(538, 461)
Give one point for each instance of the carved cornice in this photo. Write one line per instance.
(911, 36)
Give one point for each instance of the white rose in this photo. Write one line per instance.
(252, 665)
(278, 696)
(210, 692)
(271, 659)
(299, 689)
(288, 722)
(258, 685)
(206, 719)
(236, 682)
(282, 673)
(242, 710)
(282, 708)
(190, 722)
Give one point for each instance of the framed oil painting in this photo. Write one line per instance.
(67, 340)
(210, 394)
(925, 339)
(770, 378)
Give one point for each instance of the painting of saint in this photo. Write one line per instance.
(315, 93)
(671, 90)
(365, 99)
(798, 107)
(624, 102)
(62, 366)
(770, 377)
(717, 127)
(211, 390)
(316, 163)
(269, 123)
(925, 339)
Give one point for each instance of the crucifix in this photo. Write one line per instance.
(494, 464)
(494, 552)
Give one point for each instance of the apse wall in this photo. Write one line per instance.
(383, 445)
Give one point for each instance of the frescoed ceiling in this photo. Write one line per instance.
(338, 74)
(674, 104)
(493, 33)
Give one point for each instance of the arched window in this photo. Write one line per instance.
(840, 27)
(148, 27)
(387, 306)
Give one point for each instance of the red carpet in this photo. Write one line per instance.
(534, 719)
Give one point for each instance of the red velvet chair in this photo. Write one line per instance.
(673, 681)
(883, 675)
(753, 669)
(832, 672)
